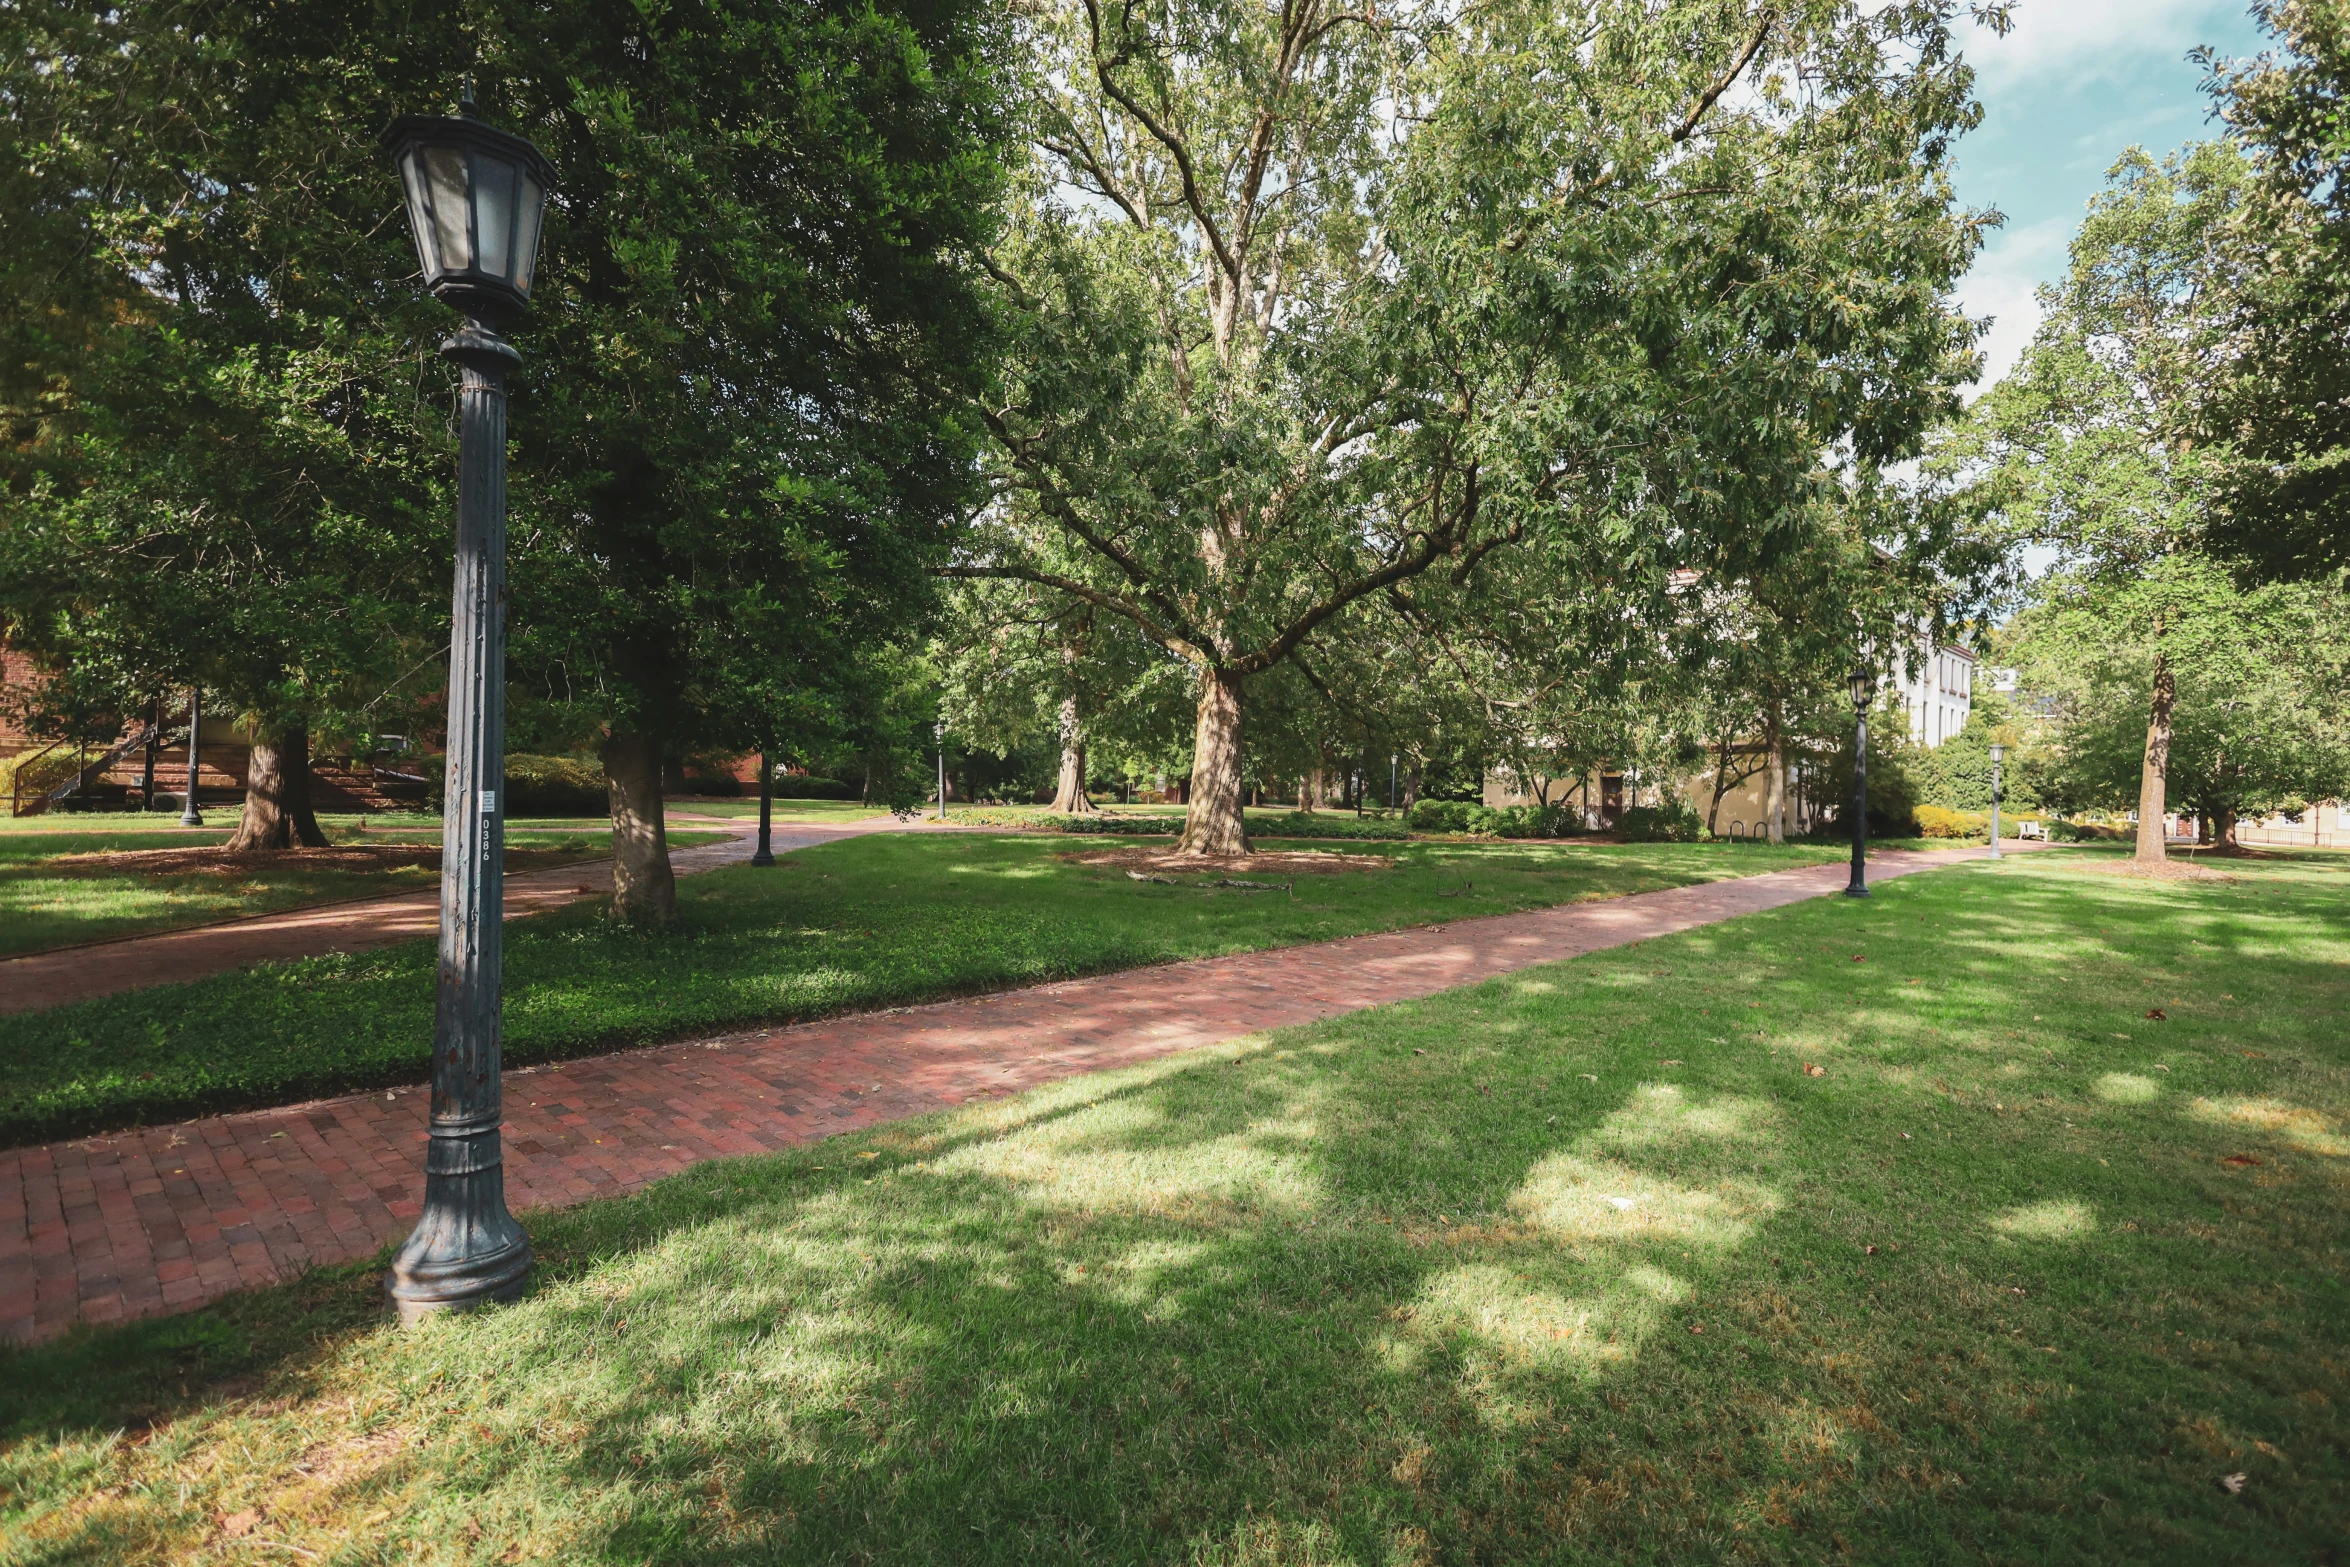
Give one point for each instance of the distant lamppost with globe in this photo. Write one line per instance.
(475, 200)
(1864, 685)
(1997, 752)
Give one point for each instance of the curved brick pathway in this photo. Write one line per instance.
(51, 979)
(165, 1218)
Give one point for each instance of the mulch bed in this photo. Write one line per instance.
(1166, 862)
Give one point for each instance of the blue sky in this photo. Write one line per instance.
(2073, 84)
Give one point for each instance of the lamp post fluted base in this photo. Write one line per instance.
(466, 1251)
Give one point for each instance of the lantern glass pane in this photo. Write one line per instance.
(444, 169)
(412, 177)
(526, 232)
(493, 213)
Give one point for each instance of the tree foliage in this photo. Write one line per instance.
(1309, 303)
(2280, 403)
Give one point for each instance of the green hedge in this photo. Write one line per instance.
(794, 786)
(555, 786)
(1507, 821)
(1327, 824)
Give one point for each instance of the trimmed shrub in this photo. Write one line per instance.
(2086, 832)
(798, 786)
(1326, 824)
(1525, 821)
(1442, 815)
(1936, 822)
(555, 786)
(1674, 823)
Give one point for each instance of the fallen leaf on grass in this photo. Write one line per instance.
(2233, 1484)
(1868, 1251)
(1857, 958)
(1810, 1070)
(2239, 1159)
(1587, 1077)
(1697, 1327)
(2157, 1015)
(237, 1525)
(2257, 1055)
(1668, 1063)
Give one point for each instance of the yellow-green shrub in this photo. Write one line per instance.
(1936, 822)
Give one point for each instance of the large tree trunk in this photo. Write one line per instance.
(1070, 798)
(643, 885)
(2223, 829)
(277, 794)
(1214, 823)
(2154, 774)
(1411, 784)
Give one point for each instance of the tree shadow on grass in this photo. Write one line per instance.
(1133, 1318)
(1476, 1279)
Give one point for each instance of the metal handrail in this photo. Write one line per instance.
(16, 782)
(81, 775)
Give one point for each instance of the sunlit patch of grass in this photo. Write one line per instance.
(1360, 1294)
(2054, 1220)
(2297, 1126)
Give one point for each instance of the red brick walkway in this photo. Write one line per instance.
(167, 1217)
(51, 979)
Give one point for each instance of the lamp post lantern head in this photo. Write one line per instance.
(1998, 752)
(475, 198)
(1864, 685)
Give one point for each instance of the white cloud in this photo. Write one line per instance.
(2076, 39)
(2000, 285)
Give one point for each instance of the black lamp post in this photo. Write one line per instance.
(1997, 752)
(942, 769)
(1864, 684)
(475, 198)
(766, 854)
(189, 815)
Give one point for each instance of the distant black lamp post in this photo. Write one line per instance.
(475, 199)
(189, 815)
(942, 769)
(1864, 686)
(1997, 753)
(766, 854)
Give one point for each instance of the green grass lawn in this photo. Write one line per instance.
(1582, 1264)
(48, 900)
(868, 922)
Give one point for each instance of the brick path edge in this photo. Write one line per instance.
(166, 1218)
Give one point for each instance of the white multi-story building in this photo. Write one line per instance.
(1937, 691)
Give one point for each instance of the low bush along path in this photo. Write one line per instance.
(1999, 1217)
